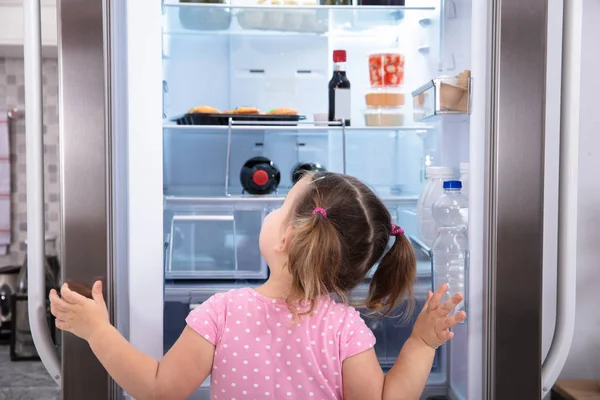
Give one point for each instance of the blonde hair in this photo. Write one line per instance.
(333, 253)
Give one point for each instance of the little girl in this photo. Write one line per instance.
(288, 339)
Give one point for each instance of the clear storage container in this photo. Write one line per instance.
(386, 68)
(382, 116)
(215, 243)
(378, 97)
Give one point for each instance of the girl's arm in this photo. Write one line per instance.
(176, 376)
(407, 378)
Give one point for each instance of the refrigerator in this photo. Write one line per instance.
(156, 209)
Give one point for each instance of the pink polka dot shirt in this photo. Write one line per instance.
(262, 354)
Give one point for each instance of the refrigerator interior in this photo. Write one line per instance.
(213, 55)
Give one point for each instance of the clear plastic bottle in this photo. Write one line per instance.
(451, 247)
(431, 193)
(464, 178)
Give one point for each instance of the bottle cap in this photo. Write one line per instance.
(452, 185)
(260, 177)
(339, 56)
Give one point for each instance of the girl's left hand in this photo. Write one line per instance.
(77, 314)
(433, 323)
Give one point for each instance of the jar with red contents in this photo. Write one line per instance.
(386, 68)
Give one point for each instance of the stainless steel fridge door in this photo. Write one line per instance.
(85, 140)
(514, 182)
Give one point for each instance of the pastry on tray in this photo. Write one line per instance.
(204, 110)
(246, 110)
(283, 111)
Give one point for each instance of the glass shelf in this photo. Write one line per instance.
(246, 201)
(303, 128)
(282, 20)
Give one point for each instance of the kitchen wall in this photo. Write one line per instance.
(12, 94)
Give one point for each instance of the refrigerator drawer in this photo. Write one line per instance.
(391, 332)
(214, 243)
(179, 301)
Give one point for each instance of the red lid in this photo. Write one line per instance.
(260, 177)
(339, 56)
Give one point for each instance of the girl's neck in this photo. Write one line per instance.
(276, 287)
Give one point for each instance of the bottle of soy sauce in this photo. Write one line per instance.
(339, 90)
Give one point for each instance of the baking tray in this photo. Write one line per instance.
(223, 119)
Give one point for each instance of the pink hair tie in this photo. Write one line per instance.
(320, 210)
(396, 230)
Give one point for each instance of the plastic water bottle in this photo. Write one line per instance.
(431, 193)
(451, 247)
(464, 178)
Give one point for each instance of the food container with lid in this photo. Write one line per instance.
(204, 18)
(384, 116)
(384, 97)
(386, 68)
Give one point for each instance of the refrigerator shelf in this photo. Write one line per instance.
(245, 202)
(439, 97)
(285, 20)
(305, 129)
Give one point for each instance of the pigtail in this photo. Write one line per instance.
(314, 260)
(394, 278)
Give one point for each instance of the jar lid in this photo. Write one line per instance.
(384, 52)
(436, 171)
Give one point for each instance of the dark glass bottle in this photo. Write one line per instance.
(259, 175)
(339, 90)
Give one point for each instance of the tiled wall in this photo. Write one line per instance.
(12, 94)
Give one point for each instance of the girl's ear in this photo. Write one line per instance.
(282, 246)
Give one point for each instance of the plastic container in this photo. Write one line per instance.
(384, 116)
(432, 191)
(215, 243)
(464, 178)
(384, 97)
(321, 118)
(204, 18)
(386, 68)
(451, 247)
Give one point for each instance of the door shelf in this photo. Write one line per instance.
(441, 97)
(285, 20)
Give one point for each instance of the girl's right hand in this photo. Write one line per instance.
(78, 314)
(433, 323)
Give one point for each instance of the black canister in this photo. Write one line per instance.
(302, 168)
(259, 175)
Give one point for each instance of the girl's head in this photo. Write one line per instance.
(328, 234)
